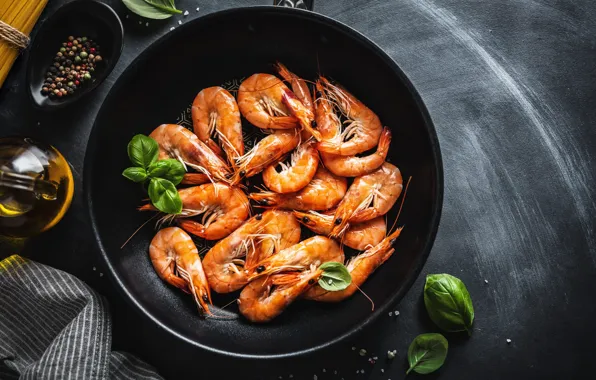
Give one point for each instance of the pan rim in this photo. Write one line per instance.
(428, 125)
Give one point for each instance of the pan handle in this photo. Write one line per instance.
(301, 4)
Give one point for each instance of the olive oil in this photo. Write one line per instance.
(36, 187)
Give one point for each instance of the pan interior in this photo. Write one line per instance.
(220, 49)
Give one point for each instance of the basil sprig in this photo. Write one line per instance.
(163, 175)
(335, 276)
(427, 353)
(448, 303)
(155, 9)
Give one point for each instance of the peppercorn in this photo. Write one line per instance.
(59, 94)
(74, 86)
(71, 91)
(69, 44)
(68, 62)
(70, 38)
(64, 44)
(78, 67)
(84, 39)
(74, 48)
(92, 69)
(92, 50)
(83, 54)
(87, 76)
(77, 82)
(59, 85)
(77, 59)
(44, 90)
(71, 53)
(98, 58)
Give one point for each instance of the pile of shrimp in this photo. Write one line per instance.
(323, 166)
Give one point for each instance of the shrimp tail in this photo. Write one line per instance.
(284, 122)
(195, 179)
(178, 282)
(384, 142)
(192, 227)
(147, 207)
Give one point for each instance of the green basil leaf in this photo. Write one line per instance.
(448, 303)
(135, 174)
(170, 169)
(164, 196)
(154, 9)
(143, 151)
(427, 353)
(335, 276)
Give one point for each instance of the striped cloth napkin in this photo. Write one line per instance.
(53, 326)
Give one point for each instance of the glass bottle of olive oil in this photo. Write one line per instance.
(36, 187)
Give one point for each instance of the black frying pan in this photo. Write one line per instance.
(226, 46)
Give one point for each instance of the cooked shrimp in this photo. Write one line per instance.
(360, 268)
(354, 166)
(363, 127)
(266, 152)
(325, 191)
(299, 257)
(266, 298)
(195, 179)
(224, 209)
(225, 261)
(281, 231)
(215, 113)
(176, 261)
(260, 102)
(177, 142)
(297, 173)
(299, 86)
(368, 197)
(359, 236)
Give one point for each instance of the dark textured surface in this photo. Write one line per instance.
(510, 87)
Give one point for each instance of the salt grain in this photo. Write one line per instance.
(335, 372)
(314, 377)
(126, 16)
(146, 24)
(396, 313)
(362, 352)
(382, 370)
(185, 13)
(353, 348)
(486, 281)
(390, 313)
(172, 28)
(198, 9)
(508, 341)
(101, 275)
(324, 370)
(94, 268)
(179, 22)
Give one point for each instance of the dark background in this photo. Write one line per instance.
(510, 88)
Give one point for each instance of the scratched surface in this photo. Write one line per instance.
(510, 88)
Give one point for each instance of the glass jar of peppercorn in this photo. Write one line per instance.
(74, 66)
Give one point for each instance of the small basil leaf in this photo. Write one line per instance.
(142, 151)
(135, 174)
(154, 9)
(164, 196)
(335, 276)
(448, 303)
(427, 353)
(169, 169)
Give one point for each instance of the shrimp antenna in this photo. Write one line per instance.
(138, 229)
(402, 204)
(367, 297)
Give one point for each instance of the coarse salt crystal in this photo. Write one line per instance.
(146, 24)
(486, 281)
(382, 370)
(314, 377)
(375, 358)
(396, 313)
(172, 28)
(362, 352)
(353, 348)
(324, 370)
(101, 275)
(198, 9)
(186, 13)
(94, 268)
(508, 340)
(390, 313)
(179, 22)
